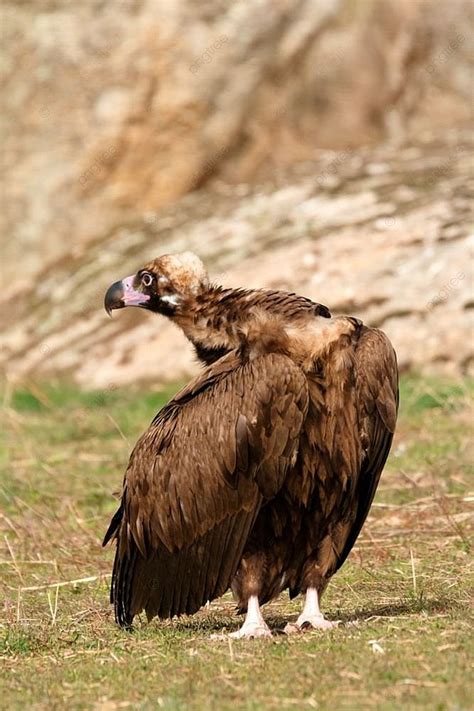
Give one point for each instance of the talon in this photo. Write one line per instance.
(311, 618)
(251, 632)
(291, 628)
(316, 622)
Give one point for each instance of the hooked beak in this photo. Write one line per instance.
(122, 294)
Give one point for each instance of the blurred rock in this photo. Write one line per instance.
(118, 107)
(385, 239)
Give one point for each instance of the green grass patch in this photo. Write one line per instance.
(402, 597)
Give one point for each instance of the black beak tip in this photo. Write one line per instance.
(114, 298)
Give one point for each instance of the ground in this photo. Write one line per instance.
(402, 596)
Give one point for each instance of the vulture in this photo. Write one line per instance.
(259, 474)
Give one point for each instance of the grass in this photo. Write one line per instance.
(403, 595)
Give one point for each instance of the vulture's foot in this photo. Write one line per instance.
(247, 631)
(252, 630)
(311, 618)
(310, 622)
(254, 625)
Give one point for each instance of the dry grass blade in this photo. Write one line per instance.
(64, 583)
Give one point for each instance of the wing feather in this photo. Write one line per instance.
(196, 481)
(377, 405)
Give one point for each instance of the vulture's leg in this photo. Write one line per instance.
(254, 624)
(247, 587)
(311, 617)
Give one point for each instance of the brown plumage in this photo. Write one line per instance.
(260, 473)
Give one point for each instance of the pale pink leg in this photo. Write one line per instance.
(254, 624)
(311, 617)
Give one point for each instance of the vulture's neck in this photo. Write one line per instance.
(213, 320)
(220, 320)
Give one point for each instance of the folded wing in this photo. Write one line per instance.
(377, 405)
(196, 481)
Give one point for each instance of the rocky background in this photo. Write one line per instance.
(322, 147)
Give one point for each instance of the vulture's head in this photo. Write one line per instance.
(165, 285)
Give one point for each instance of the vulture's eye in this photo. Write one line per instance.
(147, 279)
